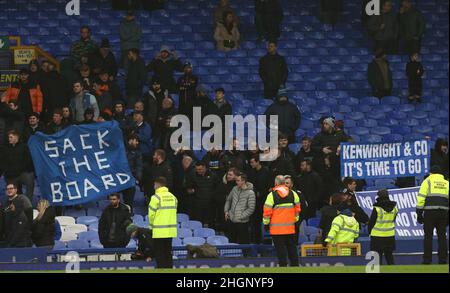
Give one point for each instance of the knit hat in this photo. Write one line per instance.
(330, 121)
(383, 194)
(164, 48)
(187, 64)
(282, 92)
(131, 229)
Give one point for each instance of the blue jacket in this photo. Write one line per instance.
(144, 132)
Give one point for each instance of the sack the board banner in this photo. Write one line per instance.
(81, 163)
(385, 160)
(406, 198)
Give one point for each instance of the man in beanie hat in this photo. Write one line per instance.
(104, 59)
(382, 226)
(289, 116)
(186, 87)
(164, 66)
(144, 240)
(432, 212)
(328, 140)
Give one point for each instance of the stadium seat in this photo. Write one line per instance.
(196, 241)
(217, 240)
(380, 130)
(131, 244)
(75, 228)
(65, 221)
(311, 231)
(95, 244)
(177, 242)
(93, 227)
(204, 232)
(77, 244)
(59, 245)
(75, 213)
(88, 235)
(68, 236)
(182, 218)
(303, 239)
(373, 138)
(87, 220)
(184, 232)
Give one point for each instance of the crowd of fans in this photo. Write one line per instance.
(225, 190)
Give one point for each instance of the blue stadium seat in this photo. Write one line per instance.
(370, 101)
(177, 242)
(356, 116)
(95, 244)
(393, 137)
(391, 100)
(196, 241)
(389, 122)
(138, 218)
(311, 231)
(418, 115)
(59, 245)
(398, 115)
(87, 220)
(373, 138)
(424, 129)
(217, 240)
(368, 123)
(380, 130)
(77, 244)
(88, 236)
(406, 108)
(303, 239)
(360, 131)
(204, 232)
(411, 122)
(182, 218)
(314, 222)
(192, 225)
(131, 244)
(75, 213)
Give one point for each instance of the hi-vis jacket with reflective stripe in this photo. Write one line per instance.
(344, 229)
(281, 211)
(385, 224)
(433, 193)
(162, 214)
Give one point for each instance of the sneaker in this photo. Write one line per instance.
(426, 262)
(443, 262)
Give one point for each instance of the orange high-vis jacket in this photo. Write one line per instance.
(281, 211)
(12, 93)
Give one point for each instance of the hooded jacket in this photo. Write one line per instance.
(384, 203)
(289, 117)
(164, 69)
(221, 34)
(344, 229)
(440, 158)
(240, 203)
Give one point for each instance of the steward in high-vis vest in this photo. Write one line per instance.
(344, 229)
(162, 218)
(382, 226)
(432, 212)
(281, 212)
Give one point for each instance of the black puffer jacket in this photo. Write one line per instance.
(112, 226)
(204, 187)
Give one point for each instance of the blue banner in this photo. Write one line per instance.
(81, 163)
(385, 160)
(406, 198)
